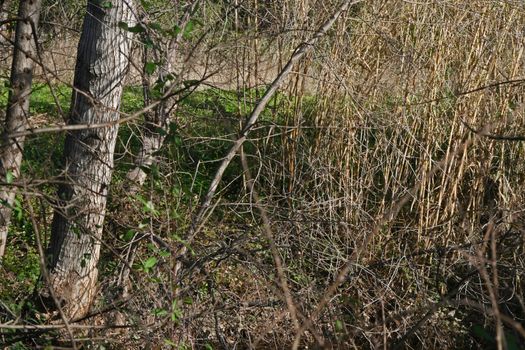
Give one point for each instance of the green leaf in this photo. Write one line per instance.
(150, 67)
(164, 253)
(159, 312)
(9, 177)
(176, 30)
(156, 91)
(151, 247)
(149, 263)
(188, 29)
(190, 83)
(106, 5)
(480, 332)
(177, 140)
(123, 25)
(128, 236)
(512, 342)
(148, 43)
(169, 342)
(161, 131)
(76, 230)
(138, 28)
(148, 206)
(155, 26)
(176, 313)
(85, 259)
(17, 208)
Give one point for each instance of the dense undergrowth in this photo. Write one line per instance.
(398, 144)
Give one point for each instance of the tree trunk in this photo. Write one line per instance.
(25, 51)
(76, 233)
(4, 14)
(5, 33)
(157, 122)
(156, 127)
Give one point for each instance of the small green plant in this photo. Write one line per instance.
(148, 264)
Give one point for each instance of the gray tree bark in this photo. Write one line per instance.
(76, 233)
(11, 150)
(156, 127)
(4, 32)
(157, 122)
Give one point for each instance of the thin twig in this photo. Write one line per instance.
(300, 51)
(381, 222)
(46, 277)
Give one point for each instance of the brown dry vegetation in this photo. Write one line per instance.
(394, 154)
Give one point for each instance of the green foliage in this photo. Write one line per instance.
(150, 67)
(106, 4)
(169, 343)
(216, 115)
(148, 206)
(132, 99)
(20, 268)
(42, 100)
(9, 177)
(137, 28)
(488, 338)
(149, 263)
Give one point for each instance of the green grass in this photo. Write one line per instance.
(44, 99)
(206, 124)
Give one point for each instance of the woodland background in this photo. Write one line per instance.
(379, 203)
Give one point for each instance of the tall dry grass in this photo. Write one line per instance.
(397, 88)
(396, 147)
